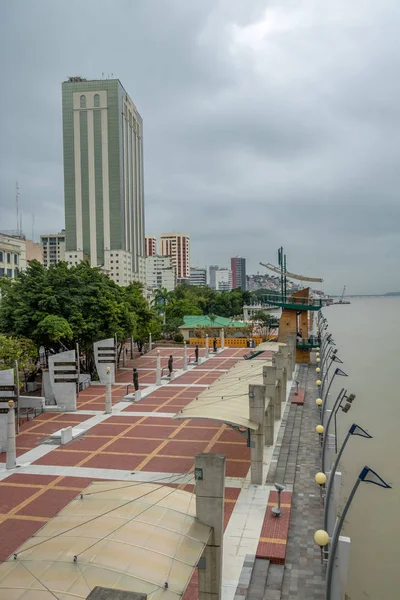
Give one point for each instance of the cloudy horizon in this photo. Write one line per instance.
(264, 125)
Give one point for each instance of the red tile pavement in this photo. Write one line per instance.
(198, 433)
(49, 503)
(13, 533)
(237, 469)
(11, 496)
(62, 458)
(161, 432)
(27, 478)
(232, 450)
(133, 446)
(274, 531)
(179, 448)
(87, 444)
(230, 435)
(127, 462)
(168, 464)
(104, 429)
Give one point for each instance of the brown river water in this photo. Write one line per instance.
(367, 335)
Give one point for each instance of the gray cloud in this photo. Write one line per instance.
(269, 124)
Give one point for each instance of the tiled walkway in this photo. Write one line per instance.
(138, 442)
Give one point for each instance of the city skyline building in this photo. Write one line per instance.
(177, 246)
(160, 273)
(238, 268)
(211, 271)
(103, 178)
(150, 242)
(53, 248)
(198, 276)
(223, 280)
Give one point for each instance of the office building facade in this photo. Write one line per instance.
(238, 268)
(160, 273)
(198, 276)
(211, 272)
(53, 248)
(103, 178)
(177, 246)
(223, 280)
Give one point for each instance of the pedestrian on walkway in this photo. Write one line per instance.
(196, 353)
(135, 379)
(170, 364)
(215, 345)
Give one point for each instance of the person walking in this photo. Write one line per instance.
(135, 379)
(196, 353)
(170, 364)
(215, 345)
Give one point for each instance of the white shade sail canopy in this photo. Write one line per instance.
(227, 399)
(140, 537)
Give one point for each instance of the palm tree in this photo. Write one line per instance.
(162, 296)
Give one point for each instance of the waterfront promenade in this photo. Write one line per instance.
(141, 442)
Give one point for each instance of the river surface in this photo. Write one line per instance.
(367, 335)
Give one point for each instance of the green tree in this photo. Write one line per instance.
(46, 305)
(18, 349)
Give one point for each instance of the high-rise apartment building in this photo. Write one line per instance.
(103, 178)
(198, 276)
(177, 246)
(223, 280)
(53, 248)
(238, 268)
(160, 273)
(212, 270)
(150, 243)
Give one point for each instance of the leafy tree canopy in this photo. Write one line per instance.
(60, 306)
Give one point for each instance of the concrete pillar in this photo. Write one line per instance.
(341, 569)
(273, 389)
(257, 415)
(291, 342)
(207, 348)
(138, 395)
(222, 339)
(210, 490)
(269, 381)
(150, 343)
(108, 392)
(185, 356)
(334, 502)
(11, 455)
(278, 361)
(158, 369)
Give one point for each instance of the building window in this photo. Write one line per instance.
(8, 257)
(2, 271)
(83, 101)
(15, 259)
(1, 256)
(97, 100)
(9, 272)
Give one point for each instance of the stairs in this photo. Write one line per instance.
(266, 581)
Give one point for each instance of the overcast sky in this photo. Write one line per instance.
(266, 123)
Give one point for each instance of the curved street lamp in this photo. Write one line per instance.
(354, 430)
(336, 406)
(337, 372)
(367, 475)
